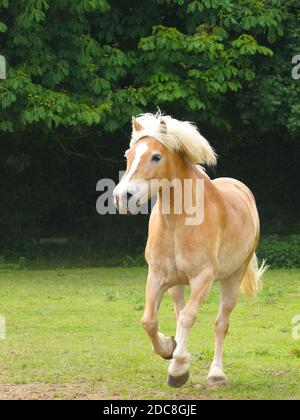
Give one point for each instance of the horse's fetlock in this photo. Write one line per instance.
(181, 357)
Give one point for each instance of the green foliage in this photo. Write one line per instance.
(78, 70)
(281, 251)
(135, 260)
(97, 62)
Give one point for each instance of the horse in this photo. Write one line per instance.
(219, 248)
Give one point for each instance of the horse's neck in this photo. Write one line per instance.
(188, 175)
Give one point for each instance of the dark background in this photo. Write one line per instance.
(65, 124)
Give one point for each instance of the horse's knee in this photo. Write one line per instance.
(151, 327)
(187, 318)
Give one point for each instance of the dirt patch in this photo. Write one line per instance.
(43, 391)
(80, 391)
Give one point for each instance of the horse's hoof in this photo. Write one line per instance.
(217, 380)
(178, 381)
(174, 347)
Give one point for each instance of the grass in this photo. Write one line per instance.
(77, 334)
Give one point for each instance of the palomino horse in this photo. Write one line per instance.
(221, 247)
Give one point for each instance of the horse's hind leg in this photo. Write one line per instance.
(230, 289)
(177, 295)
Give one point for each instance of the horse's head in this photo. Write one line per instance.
(160, 147)
(147, 160)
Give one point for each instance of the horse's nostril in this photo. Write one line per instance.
(129, 195)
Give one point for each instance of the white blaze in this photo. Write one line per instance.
(139, 151)
(123, 186)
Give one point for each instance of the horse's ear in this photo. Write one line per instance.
(163, 127)
(136, 126)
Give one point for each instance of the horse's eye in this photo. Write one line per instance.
(156, 158)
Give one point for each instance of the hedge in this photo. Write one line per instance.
(279, 251)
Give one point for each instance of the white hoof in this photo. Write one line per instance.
(216, 377)
(166, 347)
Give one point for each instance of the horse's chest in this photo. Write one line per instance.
(169, 260)
(174, 269)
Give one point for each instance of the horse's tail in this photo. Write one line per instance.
(252, 281)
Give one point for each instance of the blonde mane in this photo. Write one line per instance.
(181, 136)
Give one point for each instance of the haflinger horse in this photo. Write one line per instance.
(220, 248)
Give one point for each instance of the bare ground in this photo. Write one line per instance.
(78, 391)
(41, 391)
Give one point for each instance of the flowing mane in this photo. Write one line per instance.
(181, 136)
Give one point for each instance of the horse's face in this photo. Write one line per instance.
(147, 160)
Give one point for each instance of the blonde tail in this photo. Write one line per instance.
(252, 281)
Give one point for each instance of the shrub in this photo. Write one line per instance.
(280, 251)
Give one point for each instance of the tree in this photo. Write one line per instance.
(78, 70)
(97, 62)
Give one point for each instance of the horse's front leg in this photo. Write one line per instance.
(177, 295)
(178, 372)
(162, 345)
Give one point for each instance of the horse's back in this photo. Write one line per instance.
(236, 193)
(232, 184)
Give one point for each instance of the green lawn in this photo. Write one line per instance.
(77, 334)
